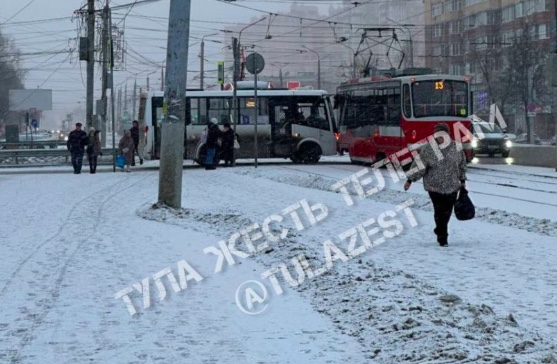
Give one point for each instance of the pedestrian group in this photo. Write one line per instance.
(79, 143)
(224, 142)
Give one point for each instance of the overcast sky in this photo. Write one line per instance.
(46, 30)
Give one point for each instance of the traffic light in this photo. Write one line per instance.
(220, 77)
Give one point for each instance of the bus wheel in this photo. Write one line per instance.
(309, 153)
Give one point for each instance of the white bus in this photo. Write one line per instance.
(295, 124)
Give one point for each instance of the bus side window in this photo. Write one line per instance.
(407, 104)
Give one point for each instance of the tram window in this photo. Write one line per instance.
(393, 109)
(407, 104)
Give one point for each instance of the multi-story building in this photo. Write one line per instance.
(462, 35)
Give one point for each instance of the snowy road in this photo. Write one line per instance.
(70, 243)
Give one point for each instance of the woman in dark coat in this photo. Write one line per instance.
(227, 146)
(126, 147)
(93, 150)
(212, 143)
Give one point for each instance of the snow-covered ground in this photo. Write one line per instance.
(70, 243)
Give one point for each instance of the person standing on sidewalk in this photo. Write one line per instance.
(443, 176)
(227, 147)
(135, 136)
(77, 140)
(126, 146)
(93, 150)
(212, 143)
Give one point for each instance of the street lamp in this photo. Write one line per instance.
(405, 27)
(236, 52)
(318, 66)
(353, 60)
(280, 66)
(202, 61)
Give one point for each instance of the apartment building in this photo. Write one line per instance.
(458, 30)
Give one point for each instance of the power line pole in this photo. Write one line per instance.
(90, 60)
(104, 98)
(173, 128)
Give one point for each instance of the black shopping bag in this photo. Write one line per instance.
(464, 208)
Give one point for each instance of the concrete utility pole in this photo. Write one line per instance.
(173, 128)
(202, 61)
(90, 61)
(104, 99)
(555, 14)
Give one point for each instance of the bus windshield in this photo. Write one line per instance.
(440, 98)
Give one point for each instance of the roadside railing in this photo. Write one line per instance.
(23, 156)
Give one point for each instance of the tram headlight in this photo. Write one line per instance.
(474, 143)
(508, 144)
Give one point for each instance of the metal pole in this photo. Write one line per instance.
(172, 140)
(318, 72)
(134, 101)
(256, 112)
(202, 63)
(235, 45)
(90, 60)
(318, 66)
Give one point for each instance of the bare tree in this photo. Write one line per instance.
(524, 66)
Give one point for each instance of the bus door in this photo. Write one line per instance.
(281, 118)
(318, 123)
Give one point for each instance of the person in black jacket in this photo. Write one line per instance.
(135, 136)
(77, 141)
(227, 146)
(212, 143)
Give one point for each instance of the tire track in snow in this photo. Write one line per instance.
(45, 305)
(63, 226)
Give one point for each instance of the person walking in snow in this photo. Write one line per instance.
(126, 146)
(443, 178)
(93, 150)
(77, 140)
(135, 136)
